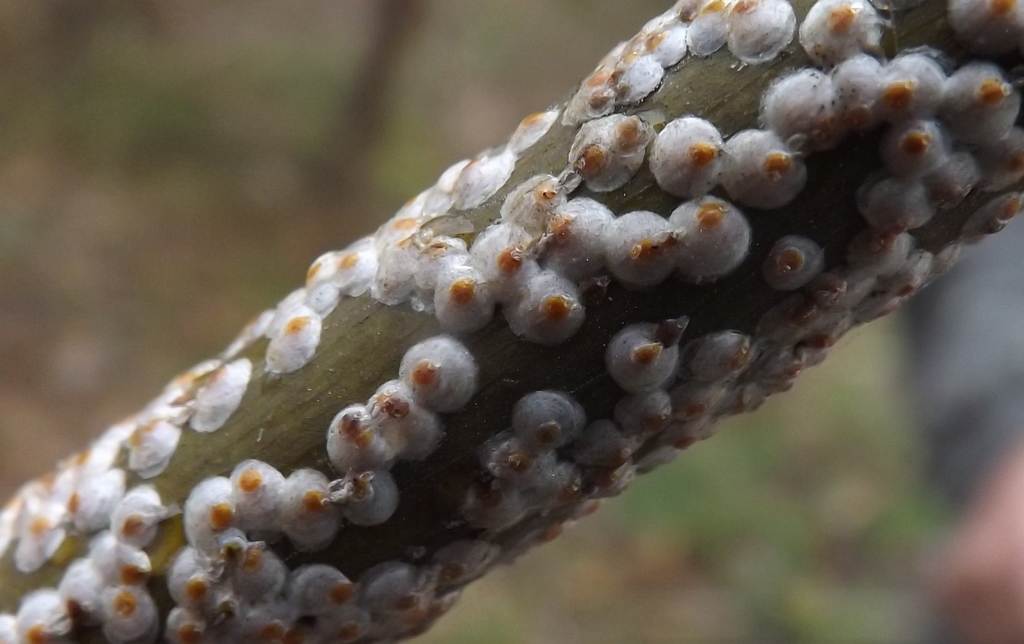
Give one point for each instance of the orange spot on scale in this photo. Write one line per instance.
(821, 341)
(517, 461)
(655, 39)
(74, 502)
(405, 223)
(899, 94)
(354, 432)
(273, 632)
(649, 249)
(252, 560)
(744, 6)
(694, 409)
(190, 634)
(532, 119)
(715, 6)
(406, 602)
(133, 525)
(597, 79)
(342, 593)
(548, 433)
(360, 487)
(47, 480)
(1015, 163)
(75, 611)
(39, 526)
(350, 425)
(591, 161)
(882, 242)
(438, 248)
(777, 164)
(710, 215)
(348, 261)
(489, 497)
(250, 481)
(1002, 7)
(685, 442)
(296, 325)
(916, 143)
(555, 308)
(646, 354)
(424, 373)
(348, 632)
(841, 19)
(392, 405)
(510, 260)
(571, 491)
(992, 92)
(560, 228)
(827, 130)
(37, 635)
(607, 478)
(1010, 209)
(600, 98)
(314, 502)
(789, 260)
(294, 636)
(124, 604)
(184, 379)
(452, 572)
(629, 135)
(654, 422)
(132, 575)
(858, 116)
(462, 291)
(645, 250)
(701, 154)
(314, 268)
(740, 357)
(551, 533)
(221, 516)
(217, 375)
(139, 434)
(196, 589)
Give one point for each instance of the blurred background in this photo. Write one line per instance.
(169, 168)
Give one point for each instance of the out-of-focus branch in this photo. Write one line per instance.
(358, 124)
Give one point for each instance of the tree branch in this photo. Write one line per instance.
(283, 418)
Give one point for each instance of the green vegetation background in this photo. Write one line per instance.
(169, 168)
